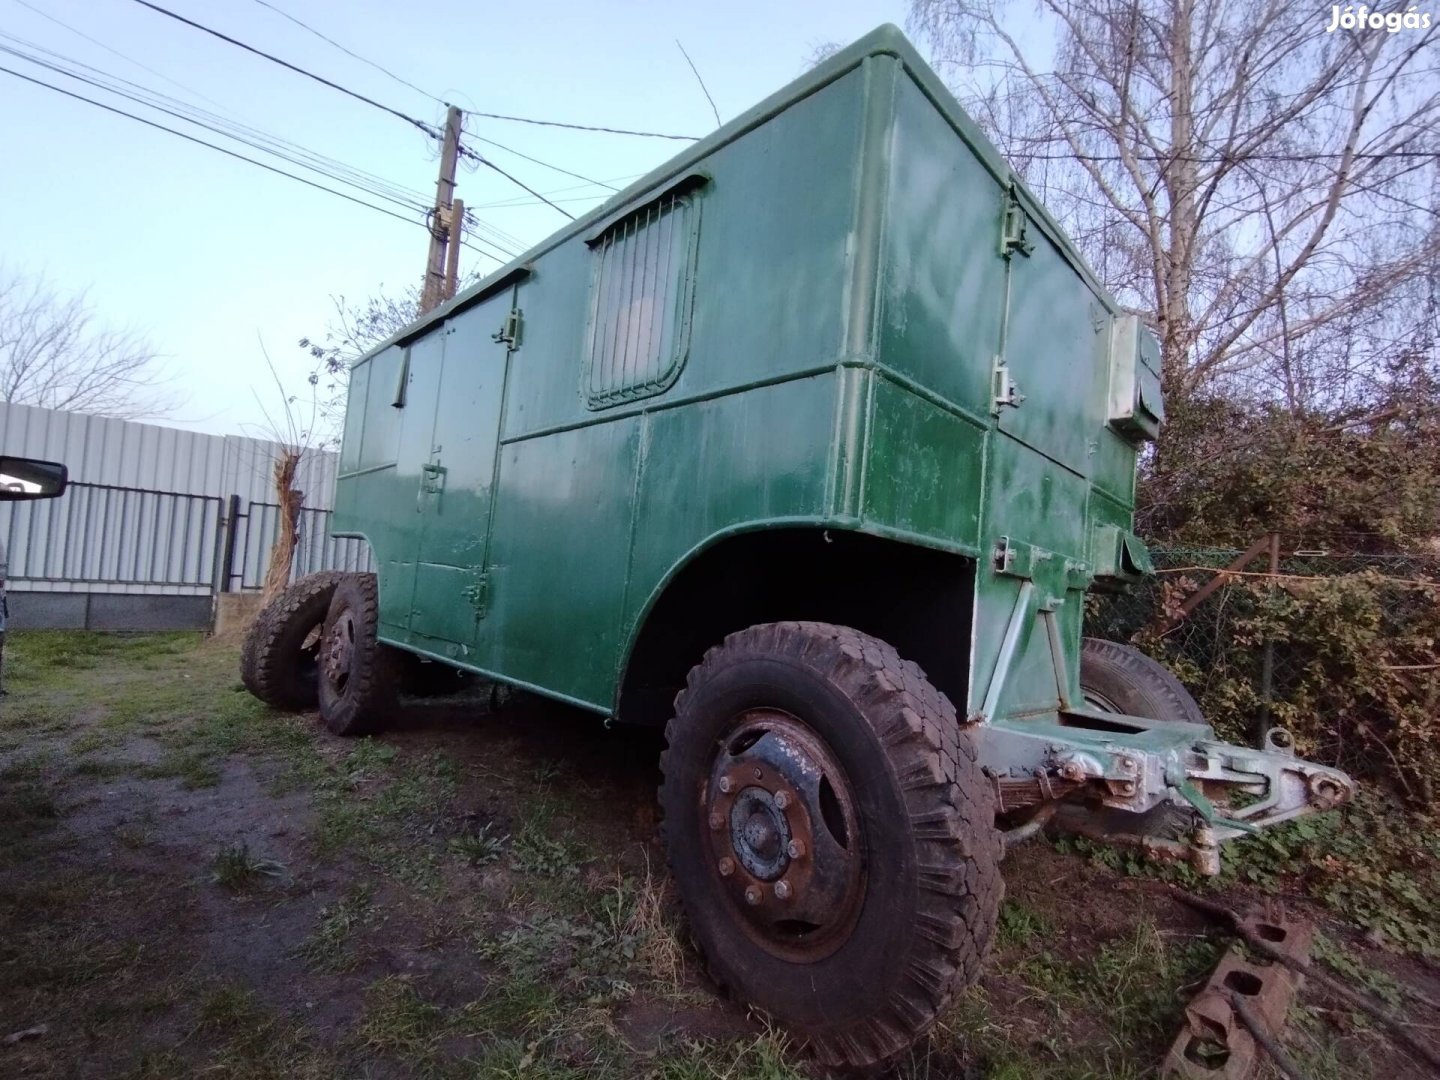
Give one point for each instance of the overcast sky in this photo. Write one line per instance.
(209, 255)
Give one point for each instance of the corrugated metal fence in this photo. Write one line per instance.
(163, 517)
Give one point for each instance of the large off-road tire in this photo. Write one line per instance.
(1118, 678)
(359, 677)
(831, 836)
(279, 659)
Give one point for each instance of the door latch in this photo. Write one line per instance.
(509, 332)
(1004, 391)
(432, 478)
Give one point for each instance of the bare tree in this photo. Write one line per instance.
(294, 427)
(53, 354)
(1261, 190)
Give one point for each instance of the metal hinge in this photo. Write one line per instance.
(1003, 387)
(509, 332)
(432, 478)
(1012, 228)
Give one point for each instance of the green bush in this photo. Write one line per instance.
(1356, 678)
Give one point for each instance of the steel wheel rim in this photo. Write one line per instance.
(338, 652)
(1099, 702)
(783, 836)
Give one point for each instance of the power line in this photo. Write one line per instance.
(116, 52)
(330, 168)
(364, 60)
(211, 146)
(537, 161)
(429, 129)
(475, 155)
(576, 127)
(317, 163)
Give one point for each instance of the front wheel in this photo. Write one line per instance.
(831, 836)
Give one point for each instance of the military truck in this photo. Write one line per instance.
(808, 447)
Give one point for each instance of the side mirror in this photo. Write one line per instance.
(26, 478)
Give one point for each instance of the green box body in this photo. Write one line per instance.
(835, 337)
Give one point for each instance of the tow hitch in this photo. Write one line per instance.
(1170, 790)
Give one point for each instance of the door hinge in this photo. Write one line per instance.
(432, 478)
(1003, 387)
(509, 332)
(1012, 227)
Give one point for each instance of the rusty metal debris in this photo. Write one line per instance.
(1217, 1041)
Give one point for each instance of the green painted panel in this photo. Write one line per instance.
(923, 469)
(455, 492)
(1057, 340)
(558, 560)
(943, 280)
(386, 382)
(754, 457)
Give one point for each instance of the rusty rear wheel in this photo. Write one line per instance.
(831, 836)
(279, 661)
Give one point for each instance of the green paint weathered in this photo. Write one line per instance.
(849, 310)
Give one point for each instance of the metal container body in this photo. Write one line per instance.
(812, 318)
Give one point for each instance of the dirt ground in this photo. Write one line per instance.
(191, 884)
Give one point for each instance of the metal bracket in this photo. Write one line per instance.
(432, 478)
(1012, 228)
(509, 332)
(1003, 389)
(477, 594)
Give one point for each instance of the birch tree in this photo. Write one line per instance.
(1261, 189)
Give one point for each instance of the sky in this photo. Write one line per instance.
(212, 258)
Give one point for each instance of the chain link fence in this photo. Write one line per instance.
(1340, 648)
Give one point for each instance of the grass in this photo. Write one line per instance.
(457, 903)
(333, 945)
(481, 847)
(235, 868)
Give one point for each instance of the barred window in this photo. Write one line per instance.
(640, 312)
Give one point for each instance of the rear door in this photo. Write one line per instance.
(456, 483)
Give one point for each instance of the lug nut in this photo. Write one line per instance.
(717, 822)
(795, 849)
(727, 866)
(725, 785)
(752, 895)
(782, 800)
(782, 890)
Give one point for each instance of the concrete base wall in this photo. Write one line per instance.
(108, 611)
(235, 611)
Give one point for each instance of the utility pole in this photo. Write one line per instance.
(444, 222)
(452, 251)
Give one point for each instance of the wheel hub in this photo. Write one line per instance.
(338, 651)
(759, 833)
(784, 835)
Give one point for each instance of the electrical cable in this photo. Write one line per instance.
(409, 204)
(475, 155)
(275, 144)
(429, 129)
(577, 127)
(212, 146)
(537, 161)
(354, 55)
(123, 56)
